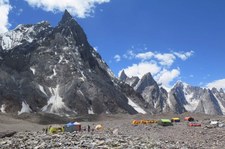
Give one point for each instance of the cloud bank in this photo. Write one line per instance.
(217, 84)
(141, 69)
(5, 8)
(159, 64)
(79, 8)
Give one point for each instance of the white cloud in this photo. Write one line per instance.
(217, 84)
(141, 69)
(158, 64)
(79, 8)
(20, 11)
(117, 58)
(4, 12)
(129, 55)
(165, 77)
(166, 59)
(184, 56)
(145, 56)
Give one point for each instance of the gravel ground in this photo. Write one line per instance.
(118, 132)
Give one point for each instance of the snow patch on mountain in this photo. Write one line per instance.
(25, 108)
(79, 91)
(60, 58)
(191, 102)
(135, 106)
(33, 70)
(169, 102)
(54, 72)
(90, 111)
(55, 101)
(14, 38)
(42, 89)
(220, 104)
(20, 34)
(2, 109)
(83, 76)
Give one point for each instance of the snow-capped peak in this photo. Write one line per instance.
(21, 34)
(180, 84)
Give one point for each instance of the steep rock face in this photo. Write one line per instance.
(123, 76)
(154, 96)
(220, 97)
(130, 81)
(181, 98)
(138, 103)
(56, 70)
(184, 97)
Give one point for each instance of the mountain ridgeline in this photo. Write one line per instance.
(55, 70)
(181, 98)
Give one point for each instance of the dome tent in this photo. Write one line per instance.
(71, 127)
(190, 119)
(53, 129)
(175, 119)
(165, 122)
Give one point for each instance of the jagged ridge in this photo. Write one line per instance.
(181, 98)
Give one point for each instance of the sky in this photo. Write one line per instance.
(173, 39)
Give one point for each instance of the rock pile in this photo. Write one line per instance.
(106, 140)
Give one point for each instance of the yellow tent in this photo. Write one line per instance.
(175, 119)
(99, 127)
(136, 122)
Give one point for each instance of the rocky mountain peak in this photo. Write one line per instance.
(123, 76)
(221, 90)
(214, 90)
(23, 34)
(148, 80)
(180, 84)
(66, 17)
(70, 29)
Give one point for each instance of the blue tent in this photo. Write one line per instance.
(71, 127)
(70, 124)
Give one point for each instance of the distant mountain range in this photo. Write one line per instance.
(181, 98)
(55, 70)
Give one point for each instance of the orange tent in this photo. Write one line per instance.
(190, 119)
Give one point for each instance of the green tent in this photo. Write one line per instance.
(165, 122)
(55, 129)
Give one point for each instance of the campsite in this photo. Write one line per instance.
(114, 131)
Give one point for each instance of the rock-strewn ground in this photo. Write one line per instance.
(118, 133)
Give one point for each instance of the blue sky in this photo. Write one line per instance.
(173, 39)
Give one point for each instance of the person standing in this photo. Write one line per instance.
(89, 128)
